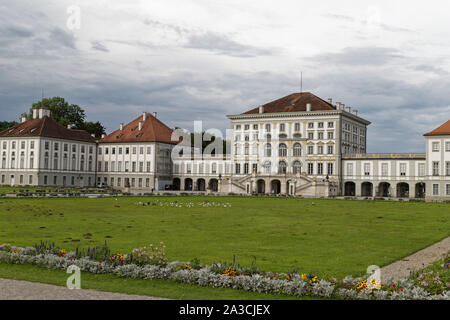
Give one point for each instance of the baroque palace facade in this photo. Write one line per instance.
(298, 145)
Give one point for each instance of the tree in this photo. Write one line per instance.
(65, 113)
(6, 124)
(62, 112)
(93, 128)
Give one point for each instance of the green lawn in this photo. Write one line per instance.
(330, 237)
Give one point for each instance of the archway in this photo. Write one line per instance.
(188, 184)
(402, 190)
(213, 185)
(367, 189)
(383, 189)
(176, 184)
(349, 189)
(275, 187)
(201, 185)
(261, 186)
(420, 190)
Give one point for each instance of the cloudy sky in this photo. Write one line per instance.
(202, 59)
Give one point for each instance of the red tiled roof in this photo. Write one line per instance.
(152, 130)
(442, 130)
(295, 102)
(46, 127)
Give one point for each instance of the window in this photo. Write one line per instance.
(127, 150)
(282, 150)
(435, 146)
(141, 150)
(99, 166)
(297, 127)
(149, 150)
(106, 166)
(435, 189)
(421, 169)
(310, 135)
(246, 167)
(282, 167)
(255, 127)
(435, 168)
(188, 168)
(282, 127)
(384, 169)
(403, 169)
(447, 168)
(134, 150)
(310, 169)
(30, 180)
(330, 168)
(238, 127)
(266, 166)
(214, 168)
(148, 166)
(447, 146)
(320, 149)
(311, 125)
(367, 169)
(133, 166)
(349, 169)
(310, 149)
(237, 137)
(297, 150)
(247, 137)
(320, 124)
(83, 149)
(268, 150)
(268, 127)
(99, 151)
(22, 145)
(247, 127)
(330, 135)
(330, 150)
(46, 146)
(238, 168)
(320, 168)
(113, 166)
(320, 137)
(447, 189)
(330, 124)
(296, 167)
(141, 166)
(246, 149)
(120, 150)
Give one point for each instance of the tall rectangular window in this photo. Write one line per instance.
(238, 168)
(384, 169)
(447, 168)
(403, 169)
(367, 169)
(310, 169)
(349, 169)
(435, 189)
(435, 168)
(330, 168)
(421, 169)
(320, 168)
(435, 146)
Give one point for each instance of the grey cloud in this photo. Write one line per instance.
(97, 45)
(59, 36)
(17, 31)
(359, 56)
(223, 45)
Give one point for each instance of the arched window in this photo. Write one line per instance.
(282, 167)
(297, 150)
(297, 167)
(268, 150)
(282, 150)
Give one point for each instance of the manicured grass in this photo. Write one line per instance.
(155, 288)
(328, 237)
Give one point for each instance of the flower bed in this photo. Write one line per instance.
(99, 260)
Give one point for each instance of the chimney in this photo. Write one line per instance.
(144, 116)
(155, 114)
(330, 101)
(121, 127)
(261, 109)
(140, 125)
(338, 105)
(348, 109)
(308, 107)
(23, 119)
(35, 114)
(355, 112)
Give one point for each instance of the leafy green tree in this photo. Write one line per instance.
(6, 124)
(65, 113)
(62, 111)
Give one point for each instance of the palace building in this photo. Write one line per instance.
(299, 145)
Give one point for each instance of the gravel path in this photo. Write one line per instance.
(402, 268)
(24, 290)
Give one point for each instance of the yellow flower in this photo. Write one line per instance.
(304, 277)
